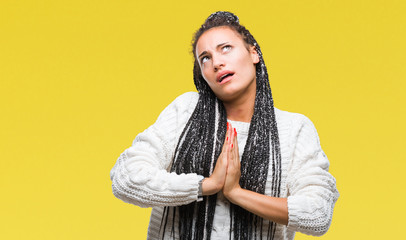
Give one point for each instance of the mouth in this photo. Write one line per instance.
(224, 77)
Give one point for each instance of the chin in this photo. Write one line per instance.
(227, 96)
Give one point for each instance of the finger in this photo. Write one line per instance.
(236, 157)
(229, 130)
(226, 154)
(233, 138)
(226, 138)
(232, 147)
(229, 147)
(230, 139)
(236, 142)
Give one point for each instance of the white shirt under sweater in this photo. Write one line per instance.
(140, 175)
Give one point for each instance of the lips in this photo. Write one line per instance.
(224, 75)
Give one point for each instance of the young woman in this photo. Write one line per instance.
(223, 163)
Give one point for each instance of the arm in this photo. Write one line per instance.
(140, 175)
(311, 187)
(271, 208)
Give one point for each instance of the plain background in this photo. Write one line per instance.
(80, 79)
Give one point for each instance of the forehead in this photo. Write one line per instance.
(212, 37)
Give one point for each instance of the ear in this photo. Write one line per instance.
(254, 54)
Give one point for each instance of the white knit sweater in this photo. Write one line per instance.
(140, 175)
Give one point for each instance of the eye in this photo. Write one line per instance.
(204, 59)
(226, 48)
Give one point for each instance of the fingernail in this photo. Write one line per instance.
(227, 139)
(227, 126)
(232, 145)
(235, 132)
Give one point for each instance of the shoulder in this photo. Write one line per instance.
(185, 101)
(182, 106)
(170, 122)
(296, 127)
(291, 119)
(187, 98)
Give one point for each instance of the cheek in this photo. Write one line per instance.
(248, 67)
(207, 75)
(204, 74)
(242, 59)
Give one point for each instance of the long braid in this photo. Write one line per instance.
(201, 142)
(256, 156)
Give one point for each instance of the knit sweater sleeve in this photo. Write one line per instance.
(312, 189)
(140, 175)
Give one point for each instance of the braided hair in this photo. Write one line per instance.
(201, 142)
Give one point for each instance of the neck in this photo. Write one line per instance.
(241, 109)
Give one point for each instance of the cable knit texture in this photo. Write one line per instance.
(140, 175)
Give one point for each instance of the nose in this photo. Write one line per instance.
(218, 63)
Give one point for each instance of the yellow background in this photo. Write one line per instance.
(80, 79)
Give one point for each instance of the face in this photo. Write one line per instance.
(227, 63)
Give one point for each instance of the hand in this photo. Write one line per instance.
(215, 182)
(232, 182)
(271, 208)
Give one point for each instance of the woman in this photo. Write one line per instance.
(223, 162)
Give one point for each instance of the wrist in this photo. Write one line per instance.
(209, 186)
(233, 194)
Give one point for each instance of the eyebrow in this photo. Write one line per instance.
(219, 45)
